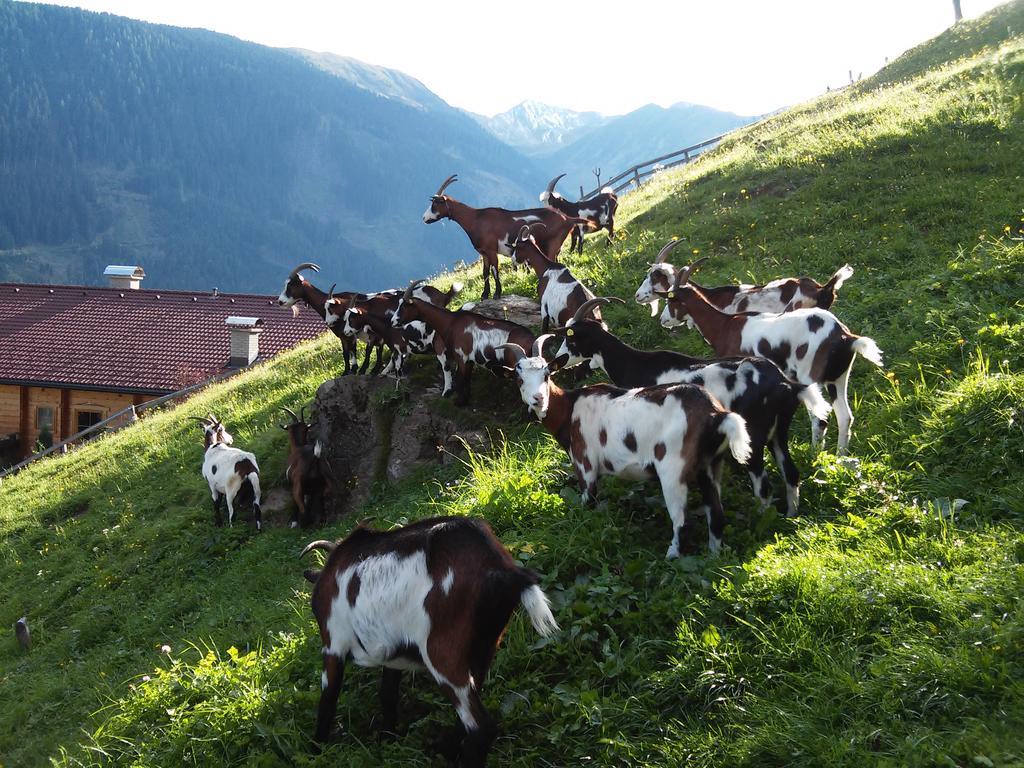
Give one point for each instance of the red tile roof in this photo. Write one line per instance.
(142, 341)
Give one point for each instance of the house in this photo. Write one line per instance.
(70, 356)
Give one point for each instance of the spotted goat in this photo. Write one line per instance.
(560, 293)
(599, 210)
(369, 320)
(297, 288)
(231, 473)
(435, 595)
(463, 339)
(809, 345)
(492, 230)
(675, 432)
(752, 387)
(782, 295)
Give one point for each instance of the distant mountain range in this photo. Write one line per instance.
(578, 142)
(215, 162)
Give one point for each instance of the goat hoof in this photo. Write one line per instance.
(673, 553)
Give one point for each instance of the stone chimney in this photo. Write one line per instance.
(245, 340)
(124, 277)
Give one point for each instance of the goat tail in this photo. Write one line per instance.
(810, 396)
(326, 546)
(538, 608)
(842, 274)
(734, 428)
(454, 291)
(868, 349)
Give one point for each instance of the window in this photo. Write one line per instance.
(44, 418)
(86, 419)
(44, 426)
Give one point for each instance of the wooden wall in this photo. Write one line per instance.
(65, 403)
(10, 409)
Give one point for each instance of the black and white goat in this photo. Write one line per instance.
(463, 339)
(435, 595)
(304, 473)
(560, 293)
(809, 345)
(231, 473)
(675, 432)
(782, 295)
(599, 209)
(753, 387)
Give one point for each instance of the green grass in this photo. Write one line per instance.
(873, 630)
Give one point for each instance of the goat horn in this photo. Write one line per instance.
(696, 265)
(515, 349)
(326, 546)
(684, 274)
(290, 412)
(304, 265)
(587, 306)
(201, 420)
(302, 414)
(330, 293)
(538, 344)
(412, 286)
(668, 247)
(450, 180)
(551, 184)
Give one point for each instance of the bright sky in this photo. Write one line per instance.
(748, 56)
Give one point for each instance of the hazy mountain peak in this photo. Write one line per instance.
(532, 126)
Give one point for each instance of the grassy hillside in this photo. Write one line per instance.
(876, 629)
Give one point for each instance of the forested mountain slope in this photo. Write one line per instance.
(213, 161)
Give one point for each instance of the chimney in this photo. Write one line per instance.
(124, 277)
(245, 340)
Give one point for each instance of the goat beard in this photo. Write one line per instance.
(295, 310)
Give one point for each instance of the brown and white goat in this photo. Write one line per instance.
(753, 387)
(599, 210)
(675, 432)
(231, 473)
(560, 293)
(809, 345)
(436, 595)
(373, 311)
(303, 473)
(492, 230)
(297, 288)
(463, 339)
(782, 295)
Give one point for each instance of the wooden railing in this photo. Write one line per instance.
(632, 177)
(116, 421)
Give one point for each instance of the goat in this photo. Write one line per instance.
(491, 230)
(297, 288)
(676, 432)
(462, 339)
(753, 387)
(382, 306)
(782, 295)
(560, 293)
(303, 473)
(229, 471)
(599, 209)
(435, 594)
(809, 345)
